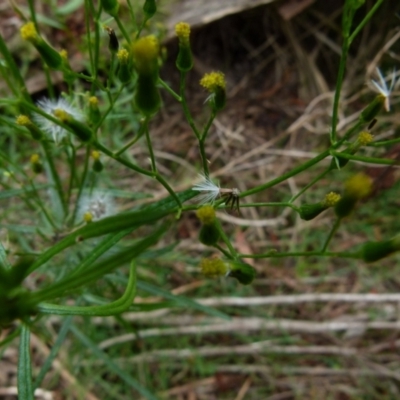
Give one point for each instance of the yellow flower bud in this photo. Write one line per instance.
(35, 158)
(145, 53)
(182, 30)
(331, 199)
(213, 81)
(206, 214)
(23, 120)
(213, 267)
(359, 186)
(29, 32)
(95, 155)
(88, 217)
(365, 138)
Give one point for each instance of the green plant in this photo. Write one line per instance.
(63, 131)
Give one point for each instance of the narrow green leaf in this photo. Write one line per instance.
(146, 215)
(96, 270)
(3, 258)
(54, 351)
(129, 380)
(180, 301)
(115, 307)
(25, 388)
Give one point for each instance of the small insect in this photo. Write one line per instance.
(210, 192)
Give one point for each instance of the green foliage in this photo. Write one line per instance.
(71, 242)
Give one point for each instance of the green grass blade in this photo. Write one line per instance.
(180, 301)
(25, 388)
(129, 380)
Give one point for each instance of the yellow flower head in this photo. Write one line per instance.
(331, 199)
(35, 158)
(206, 214)
(64, 54)
(213, 81)
(29, 32)
(213, 267)
(182, 30)
(365, 138)
(23, 120)
(359, 186)
(145, 53)
(95, 155)
(62, 115)
(123, 55)
(88, 217)
(93, 101)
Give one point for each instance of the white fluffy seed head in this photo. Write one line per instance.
(98, 205)
(383, 88)
(209, 190)
(49, 127)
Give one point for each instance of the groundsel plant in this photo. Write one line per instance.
(58, 255)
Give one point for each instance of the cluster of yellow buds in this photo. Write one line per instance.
(24, 120)
(214, 82)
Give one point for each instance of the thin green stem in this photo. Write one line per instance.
(202, 140)
(150, 146)
(226, 240)
(15, 71)
(315, 180)
(112, 102)
(54, 174)
(223, 251)
(288, 174)
(339, 82)
(71, 160)
(365, 20)
(132, 14)
(371, 160)
(49, 83)
(186, 111)
(122, 29)
(131, 142)
(82, 184)
(335, 227)
(170, 191)
(275, 254)
(122, 161)
(170, 90)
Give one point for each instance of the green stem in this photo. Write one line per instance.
(82, 184)
(122, 161)
(331, 233)
(223, 251)
(122, 29)
(371, 160)
(365, 20)
(131, 142)
(149, 146)
(169, 90)
(274, 254)
(54, 174)
(226, 240)
(185, 107)
(15, 71)
(289, 174)
(202, 140)
(339, 82)
(315, 180)
(170, 191)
